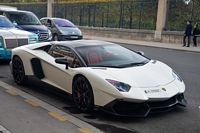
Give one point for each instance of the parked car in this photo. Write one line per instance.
(101, 75)
(26, 20)
(62, 29)
(11, 37)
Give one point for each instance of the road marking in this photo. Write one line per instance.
(12, 92)
(32, 102)
(74, 120)
(59, 117)
(84, 130)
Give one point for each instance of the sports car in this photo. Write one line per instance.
(11, 37)
(102, 75)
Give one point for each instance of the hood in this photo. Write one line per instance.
(149, 75)
(70, 30)
(14, 33)
(34, 28)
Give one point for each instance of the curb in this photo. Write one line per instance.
(151, 44)
(50, 108)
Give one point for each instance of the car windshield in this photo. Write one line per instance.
(23, 18)
(4, 22)
(63, 23)
(114, 56)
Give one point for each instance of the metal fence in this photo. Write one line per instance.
(39, 9)
(131, 14)
(180, 12)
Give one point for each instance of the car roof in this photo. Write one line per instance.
(82, 43)
(51, 18)
(13, 10)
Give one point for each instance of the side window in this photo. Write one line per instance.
(60, 51)
(43, 21)
(3, 13)
(49, 23)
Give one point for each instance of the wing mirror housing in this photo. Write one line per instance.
(62, 61)
(140, 52)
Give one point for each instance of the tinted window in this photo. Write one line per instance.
(60, 51)
(23, 18)
(63, 23)
(110, 56)
(4, 22)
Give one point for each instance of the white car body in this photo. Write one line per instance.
(150, 83)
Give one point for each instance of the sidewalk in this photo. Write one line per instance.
(149, 44)
(23, 113)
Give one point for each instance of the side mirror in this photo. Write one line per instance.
(140, 52)
(62, 61)
(15, 24)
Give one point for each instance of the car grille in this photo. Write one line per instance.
(42, 36)
(12, 43)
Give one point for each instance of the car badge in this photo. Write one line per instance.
(39, 35)
(163, 89)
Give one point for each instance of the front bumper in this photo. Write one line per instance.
(5, 54)
(70, 37)
(123, 108)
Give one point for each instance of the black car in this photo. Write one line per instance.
(62, 29)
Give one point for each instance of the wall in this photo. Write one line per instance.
(175, 37)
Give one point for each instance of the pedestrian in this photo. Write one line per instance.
(195, 33)
(187, 34)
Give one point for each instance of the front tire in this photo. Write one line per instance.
(55, 37)
(83, 95)
(18, 71)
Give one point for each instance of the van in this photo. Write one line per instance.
(26, 20)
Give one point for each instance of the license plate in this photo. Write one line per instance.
(152, 91)
(74, 36)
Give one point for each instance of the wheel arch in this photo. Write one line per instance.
(91, 106)
(78, 75)
(56, 35)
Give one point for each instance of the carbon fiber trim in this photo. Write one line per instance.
(122, 108)
(37, 68)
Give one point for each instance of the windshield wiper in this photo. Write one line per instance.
(66, 26)
(105, 66)
(133, 64)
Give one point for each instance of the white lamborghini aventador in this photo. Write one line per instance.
(101, 75)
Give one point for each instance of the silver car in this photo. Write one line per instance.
(11, 37)
(62, 29)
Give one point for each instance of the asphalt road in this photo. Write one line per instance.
(178, 120)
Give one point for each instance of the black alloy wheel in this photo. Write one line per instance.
(55, 37)
(83, 95)
(18, 71)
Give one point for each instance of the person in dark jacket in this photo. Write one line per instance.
(187, 33)
(195, 33)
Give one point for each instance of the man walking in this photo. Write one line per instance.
(187, 33)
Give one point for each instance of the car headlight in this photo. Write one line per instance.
(119, 85)
(33, 40)
(63, 32)
(176, 76)
(80, 33)
(49, 33)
